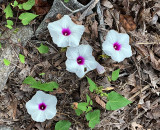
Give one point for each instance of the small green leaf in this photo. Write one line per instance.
(92, 86)
(115, 75)
(9, 24)
(8, 11)
(16, 30)
(28, 5)
(109, 79)
(64, 49)
(6, 62)
(78, 112)
(0, 45)
(82, 106)
(43, 49)
(66, 1)
(42, 74)
(20, 6)
(14, 4)
(29, 80)
(93, 118)
(88, 98)
(88, 109)
(41, 86)
(62, 125)
(22, 58)
(103, 56)
(91, 102)
(116, 101)
(47, 86)
(27, 17)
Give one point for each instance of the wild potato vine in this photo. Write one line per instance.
(115, 45)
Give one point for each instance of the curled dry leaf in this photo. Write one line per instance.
(107, 4)
(100, 102)
(155, 62)
(127, 22)
(153, 77)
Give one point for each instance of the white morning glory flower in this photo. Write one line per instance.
(42, 106)
(65, 32)
(117, 46)
(80, 60)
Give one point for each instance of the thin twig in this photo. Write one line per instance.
(78, 10)
(91, 6)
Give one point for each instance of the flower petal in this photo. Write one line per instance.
(108, 48)
(67, 22)
(91, 63)
(50, 101)
(123, 39)
(72, 53)
(50, 113)
(39, 116)
(71, 65)
(80, 71)
(76, 34)
(85, 50)
(100, 69)
(127, 52)
(31, 106)
(112, 36)
(118, 56)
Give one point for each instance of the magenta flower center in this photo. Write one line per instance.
(117, 46)
(66, 31)
(80, 60)
(42, 106)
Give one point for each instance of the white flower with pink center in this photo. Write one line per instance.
(117, 46)
(42, 106)
(65, 32)
(80, 60)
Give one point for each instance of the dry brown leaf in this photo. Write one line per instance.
(155, 63)
(108, 18)
(94, 30)
(153, 77)
(131, 80)
(156, 112)
(75, 105)
(59, 16)
(100, 102)
(127, 22)
(14, 107)
(41, 7)
(142, 50)
(58, 91)
(136, 126)
(106, 3)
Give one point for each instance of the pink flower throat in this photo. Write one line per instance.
(42, 106)
(66, 31)
(80, 60)
(117, 46)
